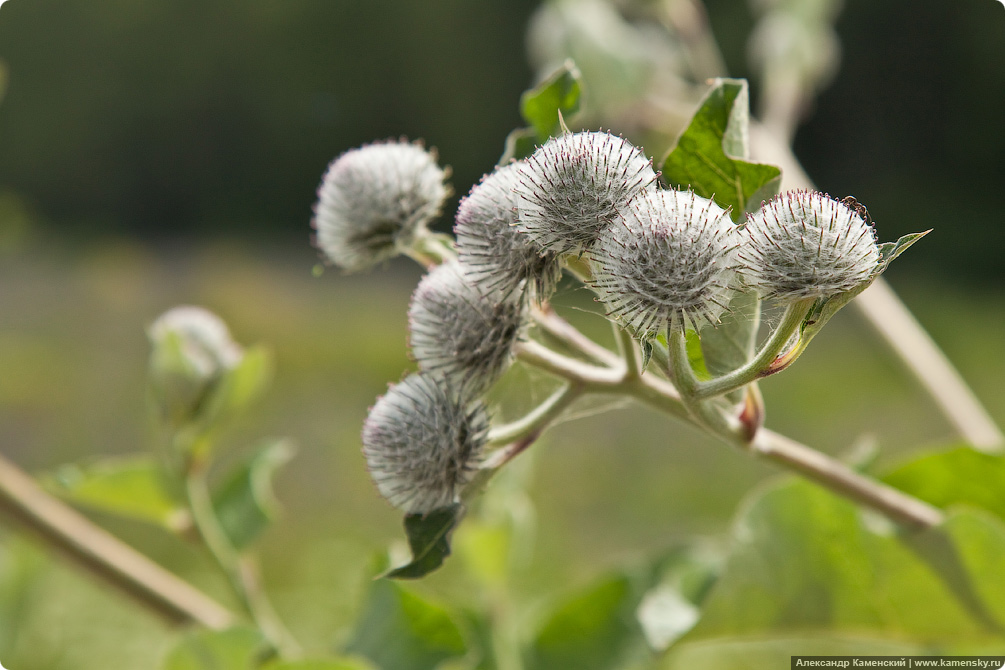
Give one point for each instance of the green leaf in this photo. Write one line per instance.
(320, 664)
(399, 629)
(543, 107)
(557, 95)
(429, 540)
(960, 475)
(625, 616)
(696, 356)
(806, 562)
(890, 250)
(710, 155)
(233, 649)
(240, 386)
(245, 503)
(592, 630)
(730, 344)
(134, 487)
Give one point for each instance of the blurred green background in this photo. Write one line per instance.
(155, 153)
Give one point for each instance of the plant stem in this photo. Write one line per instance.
(241, 571)
(539, 418)
(662, 395)
(759, 366)
(103, 555)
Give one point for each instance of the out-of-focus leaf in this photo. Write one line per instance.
(401, 630)
(594, 629)
(756, 652)
(806, 562)
(625, 617)
(245, 503)
(133, 487)
(20, 569)
(710, 155)
(559, 93)
(240, 386)
(320, 664)
(960, 475)
(558, 96)
(429, 540)
(696, 356)
(233, 649)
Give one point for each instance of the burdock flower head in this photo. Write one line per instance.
(192, 351)
(804, 244)
(571, 189)
(375, 201)
(497, 255)
(423, 442)
(460, 331)
(668, 261)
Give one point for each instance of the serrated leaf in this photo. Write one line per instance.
(429, 539)
(233, 649)
(960, 475)
(808, 562)
(710, 155)
(889, 251)
(401, 630)
(134, 487)
(558, 95)
(245, 503)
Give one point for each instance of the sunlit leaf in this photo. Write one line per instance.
(401, 630)
(133, 487)
(960, 475)
(320, 664)
(233, 649)
(808, 562)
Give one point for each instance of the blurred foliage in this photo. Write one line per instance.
(200, 117)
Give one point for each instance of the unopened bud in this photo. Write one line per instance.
(192, 351)
(423, 442)
(571, 189)
(668, 261)
(498, 256)
(804, 244)
(460, 331)
(374, 201)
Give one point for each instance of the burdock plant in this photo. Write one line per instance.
(680, 271)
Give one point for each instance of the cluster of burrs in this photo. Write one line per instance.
(660, 260)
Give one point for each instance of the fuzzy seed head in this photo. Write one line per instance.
(571, 189)
(804, 244)
(668, 261)
(191, 351)
(422, 443)
(461, 332)
(373, 201)
(498, 256)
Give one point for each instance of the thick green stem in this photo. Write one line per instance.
(764, 363)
